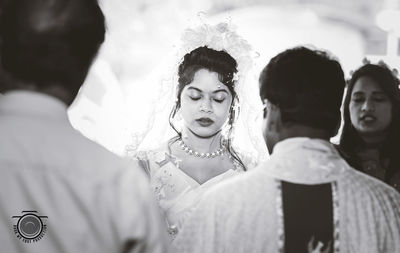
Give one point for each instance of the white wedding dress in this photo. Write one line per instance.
(175, 191)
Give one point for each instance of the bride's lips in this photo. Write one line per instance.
(205, 122)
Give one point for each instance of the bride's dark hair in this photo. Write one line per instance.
(225, 66)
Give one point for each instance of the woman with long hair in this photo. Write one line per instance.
(370, 140)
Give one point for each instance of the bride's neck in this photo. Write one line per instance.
(200, 144)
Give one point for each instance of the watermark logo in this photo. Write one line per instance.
(30, 227)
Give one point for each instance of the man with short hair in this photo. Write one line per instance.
(59, 191)
(305, 198)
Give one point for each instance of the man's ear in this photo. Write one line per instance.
(274, 123)
(271, 125)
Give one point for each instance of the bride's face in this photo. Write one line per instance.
(205, 104)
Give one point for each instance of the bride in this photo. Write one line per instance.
(203, 117)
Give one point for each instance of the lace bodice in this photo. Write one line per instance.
(175, 191)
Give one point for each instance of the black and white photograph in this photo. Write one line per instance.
(213, 126)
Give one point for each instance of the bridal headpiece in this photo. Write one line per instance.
(220, 37)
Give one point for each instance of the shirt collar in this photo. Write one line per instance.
(305, 161)
(30, 103)
(296, 143)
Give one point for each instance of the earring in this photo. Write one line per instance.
(178, 115)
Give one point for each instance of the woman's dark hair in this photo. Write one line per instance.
(307, 85)
(225, 66)
(350, 139)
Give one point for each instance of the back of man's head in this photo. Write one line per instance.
(47, 42)
(307, 86)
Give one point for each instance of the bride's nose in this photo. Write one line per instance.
(206, 105)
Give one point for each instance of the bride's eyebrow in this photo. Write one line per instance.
(194, 88)
(199, 90)
(221, 90)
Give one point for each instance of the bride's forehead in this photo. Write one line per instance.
(206, 80)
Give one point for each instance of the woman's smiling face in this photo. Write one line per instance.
(205, 104)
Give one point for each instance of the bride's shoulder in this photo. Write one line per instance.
(152, 159)
(157, 154)
(249, 159)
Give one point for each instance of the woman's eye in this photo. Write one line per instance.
(219, 100)
(357, 100)
(194, 98)
(380, 99)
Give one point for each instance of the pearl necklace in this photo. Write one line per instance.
(184, 147)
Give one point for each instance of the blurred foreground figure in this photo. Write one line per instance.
(306, 198)
(60, 192)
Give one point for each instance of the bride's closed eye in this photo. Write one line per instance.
(194, 98)
(194, 95)
(219, 100)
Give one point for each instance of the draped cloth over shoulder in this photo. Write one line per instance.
(250, 219)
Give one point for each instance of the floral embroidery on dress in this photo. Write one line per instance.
(160, 185)
(161, 176)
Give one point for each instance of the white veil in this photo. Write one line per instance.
(247, 136)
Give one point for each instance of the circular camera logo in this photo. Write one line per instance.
(30, 226)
